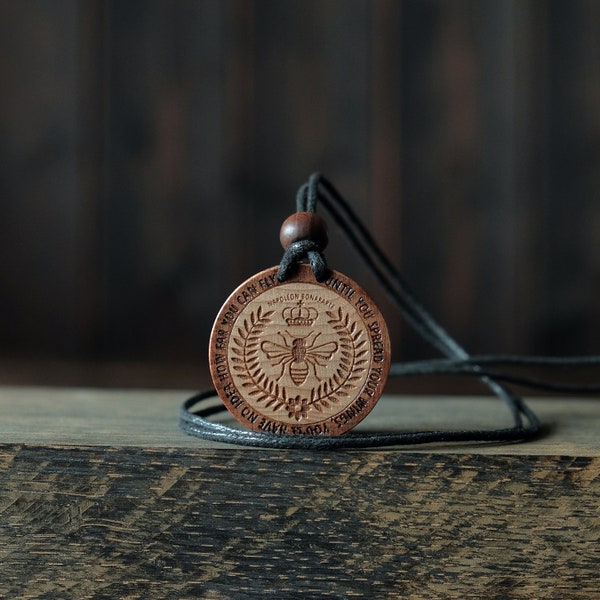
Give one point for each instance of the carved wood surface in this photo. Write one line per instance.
(146, 512)
(299, 356)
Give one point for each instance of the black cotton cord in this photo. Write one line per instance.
(472, 368)
(541, 361)
(393, 283)
(194, 412)
(193, 420)
(301, 250)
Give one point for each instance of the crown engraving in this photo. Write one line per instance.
(299, 315)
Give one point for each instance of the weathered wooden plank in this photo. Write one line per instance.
(40, 209)
(572, 138)
(152, 523)
(150, 151)
(102, 497)
(148, 418)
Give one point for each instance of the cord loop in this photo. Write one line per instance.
(301, 250)
(195, 411)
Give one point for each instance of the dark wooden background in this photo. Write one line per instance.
(149, 151)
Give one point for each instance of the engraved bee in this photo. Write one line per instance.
(299, 355)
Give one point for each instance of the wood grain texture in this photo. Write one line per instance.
(85, 522)
(102, 497)
(148, 419)
(465, 134)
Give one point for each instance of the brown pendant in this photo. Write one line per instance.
(299, 356)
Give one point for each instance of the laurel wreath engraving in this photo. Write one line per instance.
(352, 363)
(246, 362)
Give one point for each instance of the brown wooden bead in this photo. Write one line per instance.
(304, 226)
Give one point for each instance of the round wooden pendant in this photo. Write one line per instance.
(299, 357)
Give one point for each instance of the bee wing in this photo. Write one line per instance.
(274, 350)
(323, 351)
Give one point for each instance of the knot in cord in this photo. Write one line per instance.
(303, 250)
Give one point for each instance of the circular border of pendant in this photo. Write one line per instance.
(299, 356)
